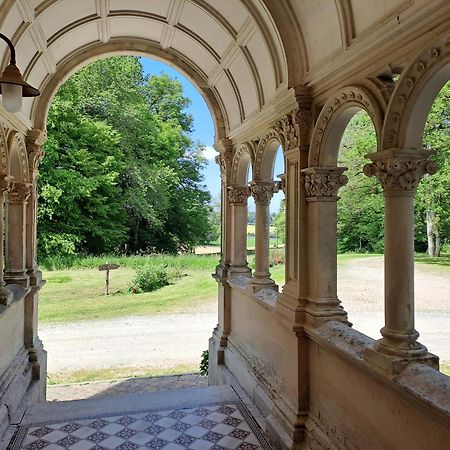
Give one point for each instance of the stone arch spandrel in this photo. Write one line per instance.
(243, 158)
(414, 94)
(17, 157)
(265, 155)
(334, 118)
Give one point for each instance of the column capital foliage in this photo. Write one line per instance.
(35, 141)
(6, 183)
(225, 162)
(263, 191)
(324, 182)
(400, 170)
(238, 194)
(19, 193)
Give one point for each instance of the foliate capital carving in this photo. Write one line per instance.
(324, 182)
(225, 161)
(19, 193)
(262, 192)
(6, 183)
(400, 171)
(238, 194)
(285, 127)
(282, 183)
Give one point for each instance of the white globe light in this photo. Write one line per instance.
(12, 97)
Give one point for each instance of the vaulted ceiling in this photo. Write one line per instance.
(244, 55)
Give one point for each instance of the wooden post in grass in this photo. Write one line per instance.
(107, 267)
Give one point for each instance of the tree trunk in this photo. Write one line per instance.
(430, 236)
(437, 247)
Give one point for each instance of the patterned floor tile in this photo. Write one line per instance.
(209, 427)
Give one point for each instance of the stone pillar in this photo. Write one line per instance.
(219, 340)
(322, 185)
(237, 196)
(16, 272)
(262, 192)
(34, 142)
(399, 171)
(6, 182)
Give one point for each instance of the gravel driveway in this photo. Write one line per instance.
(165, 341)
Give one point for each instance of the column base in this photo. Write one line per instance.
(395, 361)
(236, 271)
(258, 284)
(323, 310)
(6, 296)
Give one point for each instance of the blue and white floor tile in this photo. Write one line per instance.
(207, 427)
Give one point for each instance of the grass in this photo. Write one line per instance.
(423, 258)
(80, 297)
(444, 367)
(115, 373)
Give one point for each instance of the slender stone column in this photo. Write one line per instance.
(399, 171)
(262, 192)
(6, 183)
(322, 185)
(35, 140)
(238, 196)
(16, 235)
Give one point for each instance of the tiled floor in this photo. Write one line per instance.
(205, 426)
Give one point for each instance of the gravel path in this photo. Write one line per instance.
(165, 341)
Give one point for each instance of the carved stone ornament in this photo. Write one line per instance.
(395, 174)
(6, 183)
(19, 193)
(324, 182)
(224, 160)
(285, 127)
(238, 194)
(262, 192)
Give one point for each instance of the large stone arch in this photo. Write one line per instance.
(334, 118)
(4, 163)
(243, 158)
(139, 47)
(265, 155)
(414, 94)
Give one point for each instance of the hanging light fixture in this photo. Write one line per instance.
(12, 85)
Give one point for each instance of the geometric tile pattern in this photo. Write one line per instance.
(207, 427)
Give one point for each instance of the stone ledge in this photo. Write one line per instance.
(267, 298)
(16, 294)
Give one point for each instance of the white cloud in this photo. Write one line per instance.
(209, 153)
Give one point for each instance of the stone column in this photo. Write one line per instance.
(262, 192)
(16, 272)
(238, 196)
(219, 340)
(6, 183)
(35, 140)
(399, 171)
(322, 185)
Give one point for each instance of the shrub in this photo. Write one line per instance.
(276, 257)
(204, 363)
(149, 279)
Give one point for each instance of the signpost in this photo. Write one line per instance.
(107, 267)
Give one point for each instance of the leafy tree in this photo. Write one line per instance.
(279, 221)
(433, 194)
(361, 204)
(124, 139)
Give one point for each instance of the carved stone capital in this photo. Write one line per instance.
(263, 191)
(400, 171)
(323, 183)
(19, 193)
(238, 194)
(282, 183)
(225, 162)
(6, 183)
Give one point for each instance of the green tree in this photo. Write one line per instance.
(361, 204)
(158, 201)
(433, 194)
(279, 222)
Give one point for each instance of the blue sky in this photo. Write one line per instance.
(204, 130)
